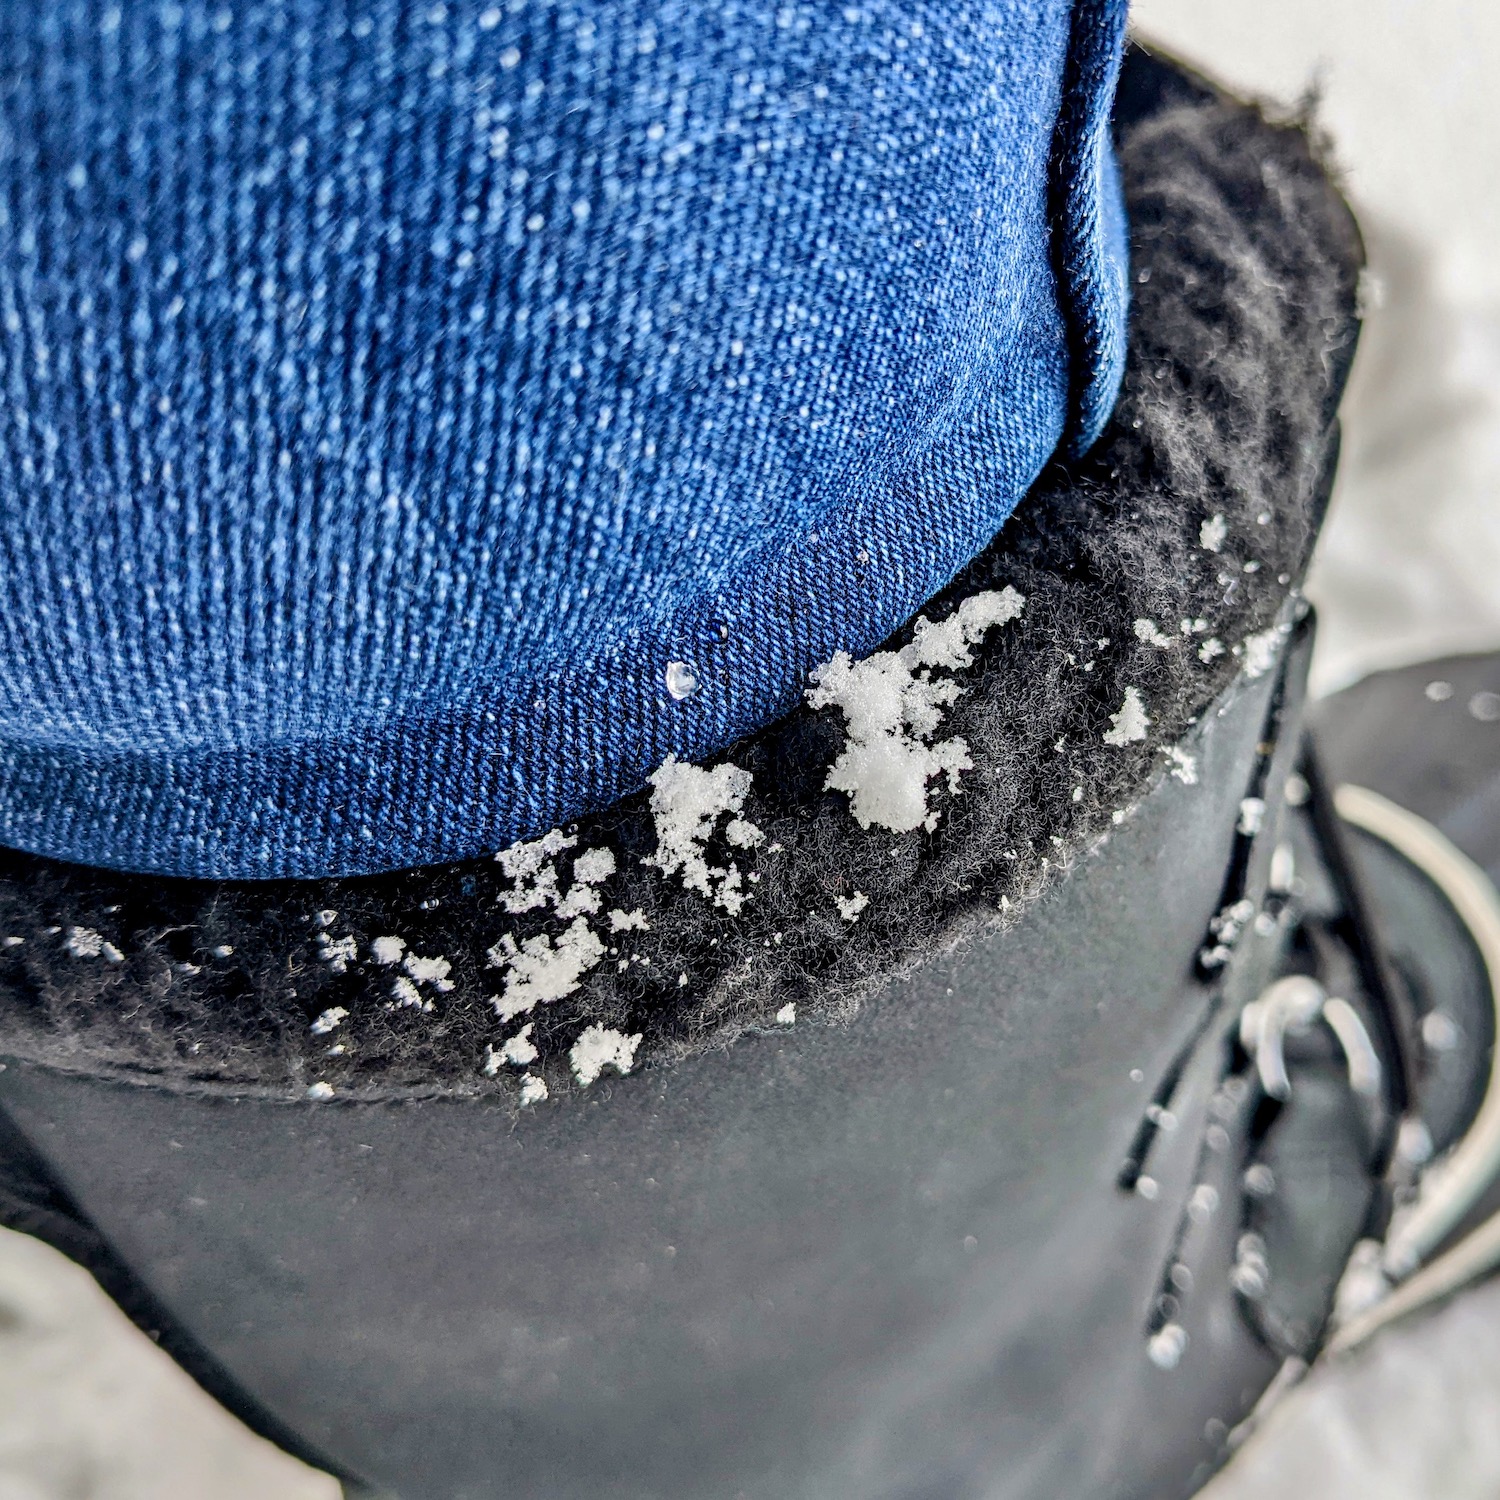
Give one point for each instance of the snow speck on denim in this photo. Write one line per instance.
(392, 393)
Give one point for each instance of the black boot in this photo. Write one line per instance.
(1017, 1154)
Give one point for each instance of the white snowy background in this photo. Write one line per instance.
(1409, 567)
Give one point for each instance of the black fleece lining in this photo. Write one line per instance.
(1245, 261)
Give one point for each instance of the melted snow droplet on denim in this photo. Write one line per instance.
(682, 680)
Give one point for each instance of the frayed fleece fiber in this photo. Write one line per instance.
(1030, 707)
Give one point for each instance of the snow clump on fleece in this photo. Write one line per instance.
(1130, 723)
(1153, 635)
(388, 949)
(892, 707)
(84, 942)
(686, 804)
(1259, 652)
(851, 906)
(543, 969)
(546, 968)
(532, 868)
(598, 1048)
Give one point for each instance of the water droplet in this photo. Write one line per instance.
(1260, 1180)
(1250, 1275)
(1414, 1143)
(1248, 1280)
(1167, 1347)
(1485, 707)
(1202, 1204)
(1440, 1032)
(682, 680)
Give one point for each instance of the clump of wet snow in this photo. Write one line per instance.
(892, 708)
(687, 803)
(407, 996)
(519, 1050)
(600, 1047)
(787, 1015)
(337, 953)
(1440, 1032)
(1212, 648)
(433, 971)
(1258, 652)
(387, 950)
(1364, 1282)
(84, 942)
(1166, 1347)
(1225, 928)
(851, 906)
(1485, 707)
(1251, 1272)
(533, 1089)
(1212, 533)
(328, 1020)
(1260, 1180)
(1182, 765)
(1203, 1203)
(529, 865)
(590, 869)
(1130, 723)
(320, 1091)
(1252, 812)
(628, 921)
(1152, 634)
(543, 968)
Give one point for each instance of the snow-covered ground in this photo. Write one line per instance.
(92, 1410)
(1410, 567)
(1414, 1418)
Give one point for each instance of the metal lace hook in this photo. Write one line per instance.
(1292, 1003)
(1359, 1051)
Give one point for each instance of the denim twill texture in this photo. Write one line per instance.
(392, 392)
